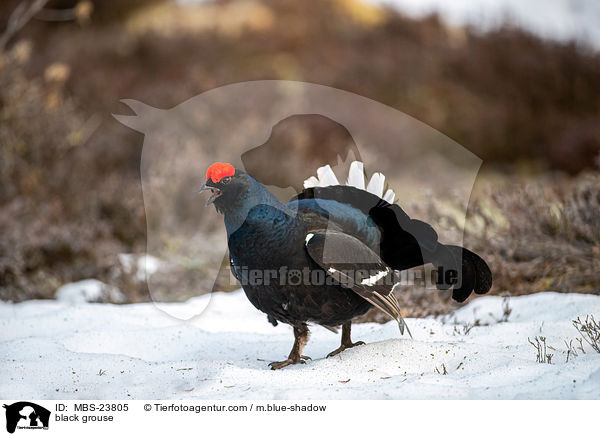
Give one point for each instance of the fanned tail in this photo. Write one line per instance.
(474, 274)
(407, 242)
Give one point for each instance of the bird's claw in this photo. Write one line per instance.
(284, 363)
(344, 347)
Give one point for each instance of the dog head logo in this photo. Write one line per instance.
(312, 140)
(26, 415)
(280, 132)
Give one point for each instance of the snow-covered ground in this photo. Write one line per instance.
(60, 350)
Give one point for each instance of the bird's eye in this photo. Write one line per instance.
(226, 180)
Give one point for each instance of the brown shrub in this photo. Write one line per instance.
(67, 209)
(70, 197)
(539, 234)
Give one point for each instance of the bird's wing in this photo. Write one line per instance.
(355, 266)
(411, 242)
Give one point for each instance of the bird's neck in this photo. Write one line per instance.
(257, 195)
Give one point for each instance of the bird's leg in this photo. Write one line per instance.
(300, 340)
(346, 340)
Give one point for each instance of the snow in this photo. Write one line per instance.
(90, 290)
(59, 350)
(144, 265)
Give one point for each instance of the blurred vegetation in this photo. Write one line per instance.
(70, 194)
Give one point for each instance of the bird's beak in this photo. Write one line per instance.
(215, 193)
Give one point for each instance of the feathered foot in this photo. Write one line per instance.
(346, 340)
(300, 340)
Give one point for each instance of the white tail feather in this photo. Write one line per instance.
(376, 184)
(356, 178)
(356, 175)
(389, 196)
(327, 176)
(311, 182)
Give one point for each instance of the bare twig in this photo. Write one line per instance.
(22, 14)
(571, 350)
(542, 349)
(506, 309)
(589, 329)
(444, 371)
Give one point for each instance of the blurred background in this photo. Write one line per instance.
(516, 84)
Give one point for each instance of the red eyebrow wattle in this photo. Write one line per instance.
(218, 171)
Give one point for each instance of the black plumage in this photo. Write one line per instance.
(344, 242)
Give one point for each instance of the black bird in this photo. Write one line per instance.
(330, 254)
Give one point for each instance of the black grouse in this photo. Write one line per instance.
(331, 253)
